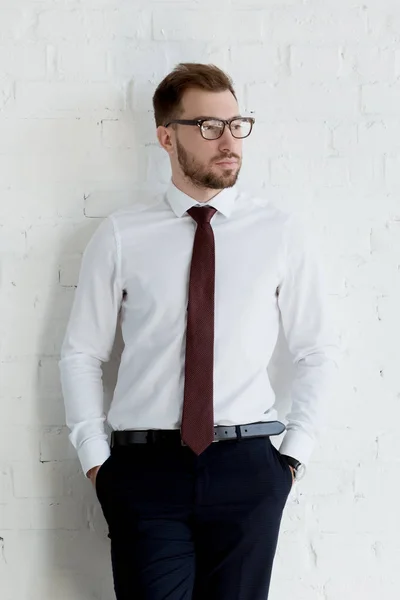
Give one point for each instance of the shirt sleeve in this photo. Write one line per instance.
(312, 339)
(88, 343)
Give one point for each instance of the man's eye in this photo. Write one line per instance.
(209, 126)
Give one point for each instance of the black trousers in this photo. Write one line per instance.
(187, 527)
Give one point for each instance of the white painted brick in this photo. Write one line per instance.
(348, 554)
(58, 24)
(12, 582)
(41, 514)
(38, 480)
(18, 443)
(284, 587)
(61, 586)
(139, 97)
(118, 133)
(321, 481)
(105, 167)
(301, 567)
(51, 412)
(159, 169)
(214, 52)
(387, 309)
(375, 481)
(347, 446)
(310, 101)
(12, 237)
(368, 63)
(359, 586)
(55, 445)
(149, 61)
(387, 553)
(330, 171)
(385, 240)
(68, 238)
(23, 61)
(41, 136)
(318, 24)
(100, 203)
(392, 170)
(381, 99)
(348, 514)
(31, 337)
(129, 22)
(239, 25)
(254, 159)
(69, 271)
(295, 138)
(249, 4)
(70, 550)
(383, 25)
(5, 484)
(7, 93)
(314, 63)
(379, 136)
(82, 62)
(257, 62)
(344, 137)
(290, 171)
(389, 446)
(367, 174)
(115, 168)
(48, 380)
(14, 23)
(53, 202)
(45, 99)
(28, 279)
(11, 385)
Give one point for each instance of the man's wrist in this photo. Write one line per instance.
(298, 468)
(92, 471)
(292, 462)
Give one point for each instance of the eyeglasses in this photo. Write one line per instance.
(212, 129)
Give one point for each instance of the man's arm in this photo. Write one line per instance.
(308, 325)
(88, 343)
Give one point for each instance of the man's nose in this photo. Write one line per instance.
(227, 141)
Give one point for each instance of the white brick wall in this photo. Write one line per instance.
(77, 140)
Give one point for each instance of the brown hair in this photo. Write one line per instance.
(168, 95)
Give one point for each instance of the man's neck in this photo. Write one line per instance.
(202, 195)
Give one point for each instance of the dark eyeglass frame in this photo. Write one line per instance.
(199, 123)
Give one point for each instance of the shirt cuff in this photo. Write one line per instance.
(93, 453)
(298, 445)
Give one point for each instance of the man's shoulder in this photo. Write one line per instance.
(145, 205)
(266, 205)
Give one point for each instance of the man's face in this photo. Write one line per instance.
(212, 164)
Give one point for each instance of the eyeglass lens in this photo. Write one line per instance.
(213, 128)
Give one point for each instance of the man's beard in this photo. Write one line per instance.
(202, 177)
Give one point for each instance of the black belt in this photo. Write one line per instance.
(221, 432)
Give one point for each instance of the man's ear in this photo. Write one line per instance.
(164, 139)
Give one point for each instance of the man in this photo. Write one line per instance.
(192, 488)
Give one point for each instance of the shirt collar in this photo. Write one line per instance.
(180, 202)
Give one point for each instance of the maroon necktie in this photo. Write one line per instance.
(197, 427)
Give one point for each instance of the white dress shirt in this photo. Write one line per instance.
(137, 262)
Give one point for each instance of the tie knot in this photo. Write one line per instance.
(202, 214)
